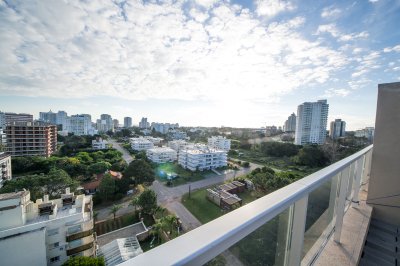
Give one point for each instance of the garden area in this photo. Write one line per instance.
(205, 210)
(110, 225)
(183, 176)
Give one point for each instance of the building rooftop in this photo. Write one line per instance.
(14, 195)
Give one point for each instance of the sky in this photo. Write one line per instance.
(200, 62)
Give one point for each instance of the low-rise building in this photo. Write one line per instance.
(161, 155)
(47, 232)
(176, 145)
(5, 167)
(100, 144)
(220, 143)
(177, 135)
(367, 132)
(202, 158)
(141, 144)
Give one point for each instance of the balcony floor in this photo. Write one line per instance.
(354, 231)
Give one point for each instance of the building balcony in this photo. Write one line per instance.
(287, 227)
(80, 245)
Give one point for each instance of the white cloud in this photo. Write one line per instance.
(330, 12)
(271, 8)
(335, 32)
(373, 1)
(392, 49)
(157, 51)
(329, 93)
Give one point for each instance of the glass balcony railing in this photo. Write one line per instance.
(287, 227)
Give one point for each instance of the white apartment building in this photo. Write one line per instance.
(154, 140)
(219, 143)
(177, 135)
(177, 145)
(5, 167)
(163, 127)
(99, 144)
(141, 144)
(161, 155)
(45, 232)
(367, 132)
(311, 122)
(80, 125)
(202, 158)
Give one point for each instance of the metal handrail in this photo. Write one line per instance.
(209, 240)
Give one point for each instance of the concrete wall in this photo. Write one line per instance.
(25, 249)
(385, 165)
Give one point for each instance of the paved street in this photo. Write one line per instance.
(125, 154)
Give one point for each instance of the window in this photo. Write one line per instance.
(52, 232)
(54, 259)
(54, 245)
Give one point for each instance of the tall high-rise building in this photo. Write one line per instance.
(143, 123)
(31, 139)
(48, 117)
(62, 119)
(116, 123)
(105, 123)
(290, 123)
(127, 122)
(311, 122)
(337, 129)
(80, 124)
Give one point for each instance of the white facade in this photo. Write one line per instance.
(5, 167)
(80, 124)
(163, 127)
(311, 122)
(177, 145)
(219, 143)
(45, 232)
(202, 158)
(154, 140)
(367, 132)
(99, 144)
(161, 155)
(141, 144)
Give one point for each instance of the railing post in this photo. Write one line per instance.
(297, 234)
(341, 202)
(360, 165)
(367, 166)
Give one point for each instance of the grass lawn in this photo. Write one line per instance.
(201, 207)
(184, 176)
(205, 210)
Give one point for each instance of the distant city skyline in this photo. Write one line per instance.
(198, 63)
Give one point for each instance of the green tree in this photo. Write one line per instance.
(312, 156)
(119, 166)
(114, 209)
(140, 171)
(107, 187)
(84, 157)
(54, 184)
(99, 167)
(278, 149)
(84, 261)
(134, 202)
(148, 201)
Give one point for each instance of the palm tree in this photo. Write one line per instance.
(157, 229)
(171, 221)
(115, 208)
(134, 202)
